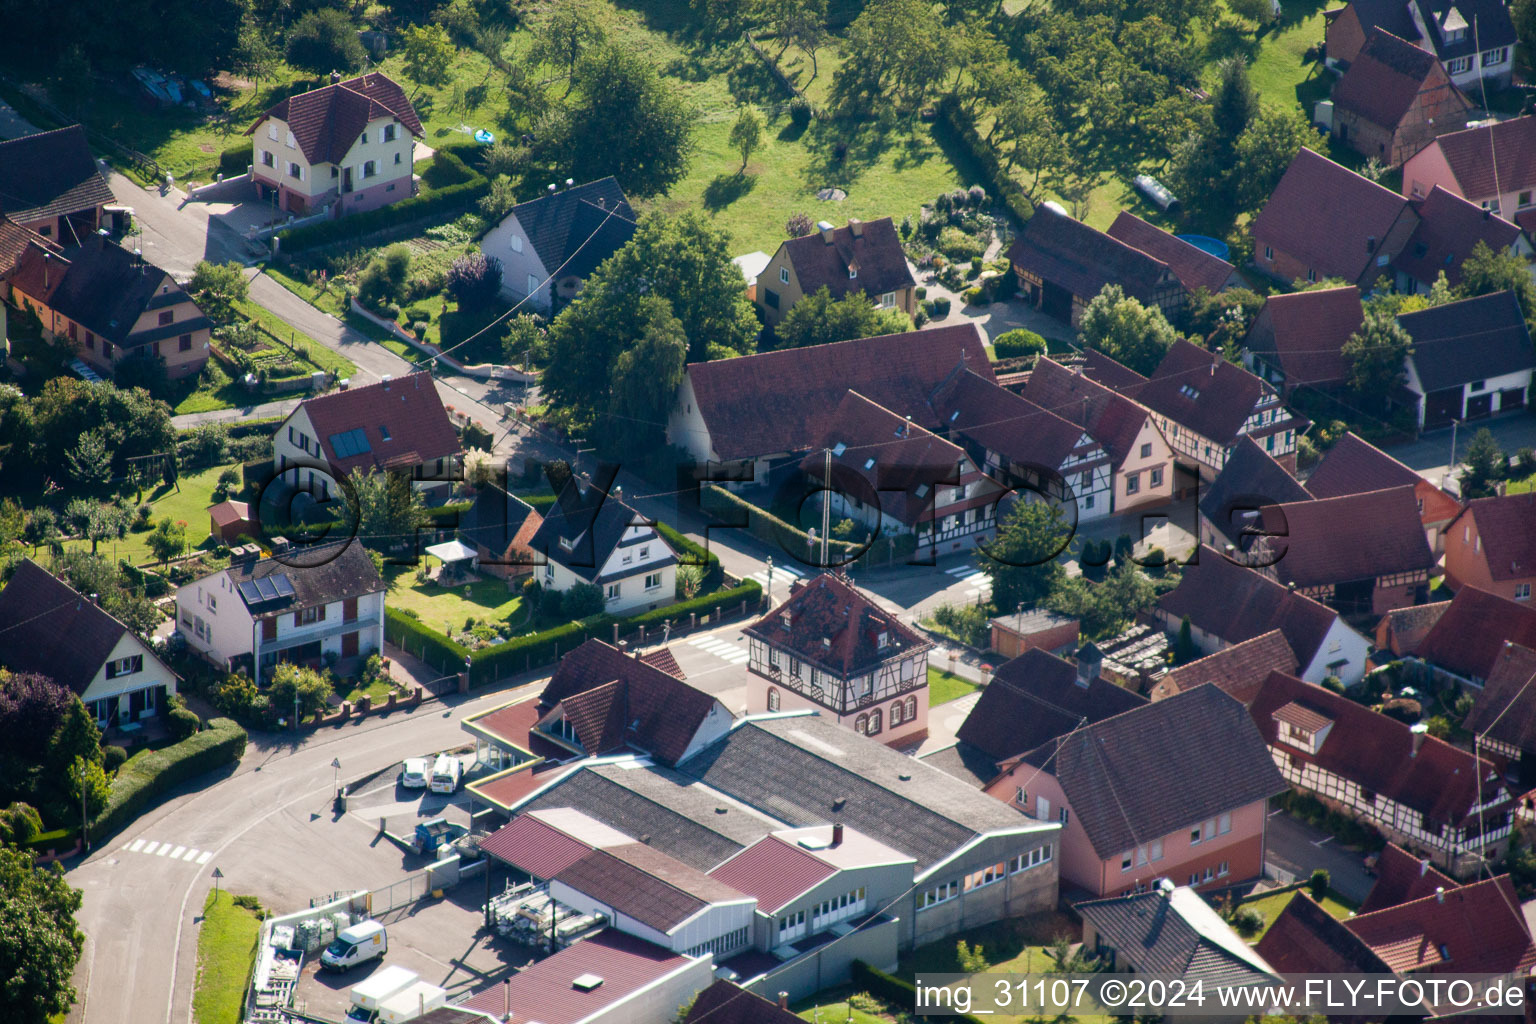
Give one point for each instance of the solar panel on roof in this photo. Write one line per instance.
(283, 584)
(248, 593)
(350, 443)
(266, 589)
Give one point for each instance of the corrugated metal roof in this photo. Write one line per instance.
(532, 846)
(774, 871)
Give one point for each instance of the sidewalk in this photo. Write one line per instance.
(269, 410)
(12, 124)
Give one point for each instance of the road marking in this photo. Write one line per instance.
(165, 848)
(204, 857)
(722, 649)
(1325, 839)
(780, 572)
(151, 848)
(190, 855)
(136, 845)
(176, 853)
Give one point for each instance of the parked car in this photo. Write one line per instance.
(445, 774)
(356, 945)
(416, 773)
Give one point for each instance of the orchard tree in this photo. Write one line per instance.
(1126, 330)
(571, 28)
(428, 54)
(1022, 560)
(167, 540)
(217, 287)
(896, 51)
(325, 40)
(747, 134)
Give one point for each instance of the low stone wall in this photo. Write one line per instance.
(480, 371)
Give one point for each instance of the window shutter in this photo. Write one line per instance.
(269, 628)
(298, 618)
(349, 609)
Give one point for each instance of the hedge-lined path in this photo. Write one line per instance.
(270, 829)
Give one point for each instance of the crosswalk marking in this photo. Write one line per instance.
(165, 848)
(204, 857)
(176, 853)
(723, 649)
(151, 847)
(136, 845)
(190, 855)
(170, 851)
(780, 574)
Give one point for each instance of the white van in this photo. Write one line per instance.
(367, 995)
(356, 945)
(445, 774)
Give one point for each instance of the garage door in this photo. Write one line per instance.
(1511, 398)
(1480, 407)
(1440, 407)
(1056, 301)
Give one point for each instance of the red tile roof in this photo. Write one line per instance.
(530, 845)
(1224, 394)
(1194, 267)
(506, 789)
(228, 513)
(774, 871)
(1505, 708)
(1082, 259)
(782, 401)
(544, 991)
(50, 174)
(647, 885)
(1353, 537)
(14, 242)
(1403, 629)
(1507, 526)
(1385, 80)
(617, 698)
(1238, 670)
(1235, 603)
(1472, 155)
(1476, 928)
(1376, 752)
(1323, 215)
(1355, 466)
(664, 659)
(1402, 878)
(875, 254)
(509, 723)
(1469, 637)
(1112, 419)
(407, 407)
(727, 1003)
(1018, 429)
(1035, 698)
(1449, 229)
(836, 627)
(327, 121)
(1306, 939)
(1303, 333)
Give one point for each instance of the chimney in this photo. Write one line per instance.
(856, 226)
(784, 1000)
(569, 182)
(552, 188)
(1439, 894)
(1418, 729)
(825, 227)
(624, 648)
(906, 427)
(1165, 888)
(506, 999)
(837, 833)
(1090, 660)
(96, 600)
(1487, 213)
(1370, 244)
(384, 381)
(335, 77)
(1423, 867)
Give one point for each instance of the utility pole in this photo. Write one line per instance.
(770, 581)
(826, 508)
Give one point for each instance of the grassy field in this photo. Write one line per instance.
(226, 952)
(943, 687)
(446, 609)
(189, 505)
(1271, 906)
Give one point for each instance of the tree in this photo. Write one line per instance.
(524, 342)
(323, 41)
(1523, 13)
(474, 280)
(1485, 464)
(1235, 102)
(254, 56)
(88, 786)
(167, 540)
(499, 198)
(1030, 537)
(1265, 150)
(582, 600)
(747, 133)
(42, 526)
(217, 287)
(896, 51)
(290, 681)
(971, 959)
(1486, 271)
(799, 225)
(90, 462)
(819, 319)
(570, 29)
(39, 943)
(389, 510)
(1184, 649)
(13, 521)
(208, 444)
(646, 376)
(428, 54)
(32, 707)
(1256, 11)
(1125, 330)
(798, 21)
(1377, 353)
(1317, 885)
(626, 121)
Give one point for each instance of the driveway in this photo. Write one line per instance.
(1298, 849)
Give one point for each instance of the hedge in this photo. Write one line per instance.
(750, 591)
(899, 993)
(714, 574)
(153, 583)
(54, 840)
(955, 123)
(236, 159)
(150, 773)
(450, 201)
(764, 525)
(432, 647)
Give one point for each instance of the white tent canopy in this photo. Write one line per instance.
(451, 551)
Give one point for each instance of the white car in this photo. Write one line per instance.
(416, 773)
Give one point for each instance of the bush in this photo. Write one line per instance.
(474, 280)
(150, 773)
(958, 245)
(800, 111)
(183, 723)
(690, 552)
(1334, 684)
(236, 159)
(1248, 920)
(1317, 885)
(1019, 342)
(967, 622)
(234, 695)
(112, 758)
(437, 204)
(1404, 709)
(938, 308)
(20, 824)
(582, 600)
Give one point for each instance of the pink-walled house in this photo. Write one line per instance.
(831, 649)
(1177, 789)
(347, 147)
(1490, 166)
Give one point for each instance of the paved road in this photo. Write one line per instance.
(1300, 849)
(268, 827)
(1431, 455)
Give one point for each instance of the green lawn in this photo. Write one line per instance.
(189, 505)
(943, 687)
(838, 1013)
(319, 356)
(445, 610)
(1271, 906)
(1521, 486)
(226, 953)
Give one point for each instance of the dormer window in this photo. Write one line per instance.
(1300, 727)
(883, 640)
(384, 433)
(853, 272)
(567, 544)
(839, 448)
(869, 463)
(786, 618)
(826, 643)
(1189, 391)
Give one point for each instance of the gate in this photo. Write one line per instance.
(399, 894)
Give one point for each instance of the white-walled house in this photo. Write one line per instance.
(349, 146)
(548, 246)
(590, 536)
(316, 601)
(1470, 359)
(50, 629)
